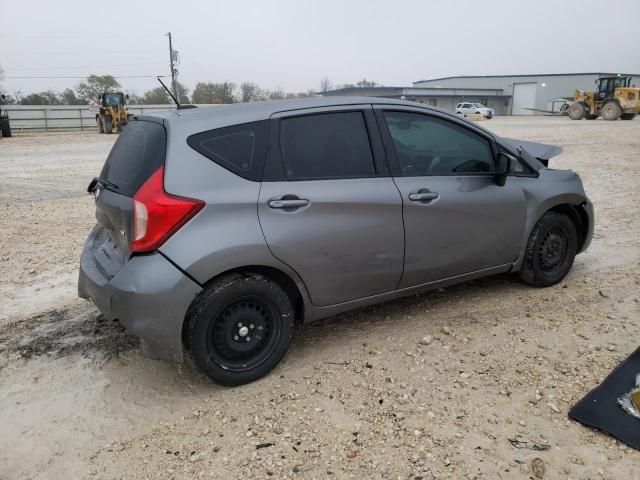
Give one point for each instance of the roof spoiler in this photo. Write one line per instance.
(178, 106)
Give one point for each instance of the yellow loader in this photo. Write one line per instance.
(112, 112)
(614, 98)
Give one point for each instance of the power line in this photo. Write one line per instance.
(84, 77)
(83, 66)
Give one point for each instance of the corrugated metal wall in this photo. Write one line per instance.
(64, 117)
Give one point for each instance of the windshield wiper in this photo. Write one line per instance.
(101, 182)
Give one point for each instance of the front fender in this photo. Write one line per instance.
(552, 189)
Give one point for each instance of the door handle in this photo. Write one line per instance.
(289, 203)
(423, 196)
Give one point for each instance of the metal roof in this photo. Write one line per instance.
(356, 90)
(531, 75)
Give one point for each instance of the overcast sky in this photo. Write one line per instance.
(293, 44)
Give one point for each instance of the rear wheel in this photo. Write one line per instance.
(5, 127)
(550, 251)
(628, 116)
(577, 111)
(100, 124)
(108, 124)
(611, 111)
(240, 328)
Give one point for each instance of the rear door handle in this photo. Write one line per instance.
(290, 203)
(423, 196)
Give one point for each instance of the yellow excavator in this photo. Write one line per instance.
(613, 98)
(111, 113)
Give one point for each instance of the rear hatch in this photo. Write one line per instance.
(138, 152)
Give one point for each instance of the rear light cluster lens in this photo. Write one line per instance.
(158, 215)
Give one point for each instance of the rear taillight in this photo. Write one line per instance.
(158, 215)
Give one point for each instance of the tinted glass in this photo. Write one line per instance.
(138, 152)
(240, 148)
(429, 146)
(330, 145)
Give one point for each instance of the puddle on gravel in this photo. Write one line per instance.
(70, 382)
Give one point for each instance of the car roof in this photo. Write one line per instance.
(184, 122)
(236, 113)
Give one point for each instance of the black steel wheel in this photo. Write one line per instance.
(550, 251)
(244, 333)
(240, 327)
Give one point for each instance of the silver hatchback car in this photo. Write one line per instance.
(221, 229)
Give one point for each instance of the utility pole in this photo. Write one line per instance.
(172, 65)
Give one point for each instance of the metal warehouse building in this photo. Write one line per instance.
(506, 94)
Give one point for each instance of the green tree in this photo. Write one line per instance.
(48, 97)
(68, 97)
(157, 96)
(95, 85)
(213, 92)
(277, 94)
(250, 92)
(366, 83)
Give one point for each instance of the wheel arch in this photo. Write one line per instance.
(578, 217)
(288, 284)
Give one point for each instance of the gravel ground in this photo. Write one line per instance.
(473, 381)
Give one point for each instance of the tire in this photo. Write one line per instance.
(577, 111)
(611, 111)
(100, 124)
(5, 127)
(227, 312)
(588, 116)
(628, 116)
(108, 124)
(550, 251)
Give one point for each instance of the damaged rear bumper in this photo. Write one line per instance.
(149, 296)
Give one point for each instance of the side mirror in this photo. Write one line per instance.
(506, 165)
(127, 97)
(4, 97)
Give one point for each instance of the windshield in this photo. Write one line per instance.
(112, 99)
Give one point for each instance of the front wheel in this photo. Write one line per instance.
(108, 124)
(628, 116)
(550, 251)
(577, 111)
(5, 127)
(240, 328)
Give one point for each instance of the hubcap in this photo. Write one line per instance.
(243, 334)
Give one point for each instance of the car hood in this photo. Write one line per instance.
(540, 151)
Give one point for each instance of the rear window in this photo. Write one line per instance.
(240, 148)
(330, 145)
(138, 152)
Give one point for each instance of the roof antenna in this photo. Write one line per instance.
(169, 92)
(178, 106)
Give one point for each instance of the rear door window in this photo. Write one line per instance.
(138, 152)
(328, 145)
(239, 148)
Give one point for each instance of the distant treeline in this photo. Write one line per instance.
(204, 92)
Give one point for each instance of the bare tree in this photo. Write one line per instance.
(325, 85)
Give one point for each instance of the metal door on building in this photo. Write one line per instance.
(524, 98)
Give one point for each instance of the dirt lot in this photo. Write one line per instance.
(357, 396)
